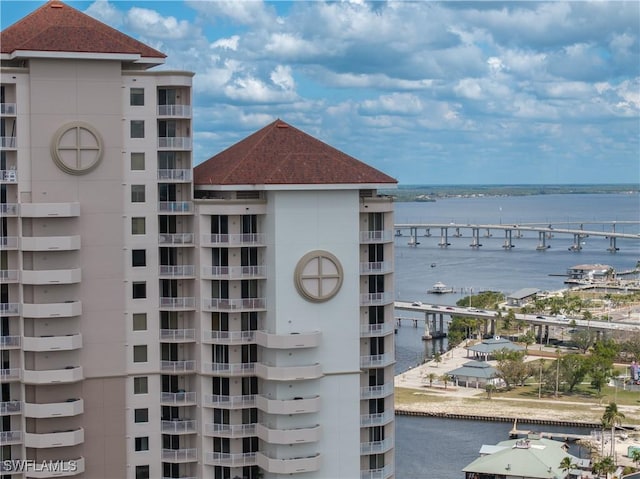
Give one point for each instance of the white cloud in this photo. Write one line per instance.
(151, 24)
(230, 43)
(105, 12)
(281, 76)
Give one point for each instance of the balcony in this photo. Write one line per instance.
(288, 373)
(54, 439)
(310, 339)
(50, 243)
(7, 109)
(180, 239)
(8, 142)
(376, 447)
(12, 374)
(377, 419)
(289, 436)
(8, 408)
(10, 309)
(53, 343)
(56, 276)
(383, 473)
(240, 239)
(68, 408)
(178, 426)
(178, 399)
(177, 335)
(52, 310)
(178, 304)
(376, 392)
(10, 342)
(239, 305)
(376, 330)
(182, 271)
(229, 369)
(71, 374)
(381, 236)
(174, 143)
(8, 209)
(9, 275)
(178, 367)
(376, 299)
(8, 243)
(179, 455)
(288, 465)
(377, 361)
(45, 210)
(297, 405)
(229, 337)
(230, 402)
(174, 175)
(10, 437)
(230, 460)
(175, 206)
(174, 110)
(63, 468)
(230, 430)
(377, 267)
(234, 272)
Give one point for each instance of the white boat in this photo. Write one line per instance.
(440, 288)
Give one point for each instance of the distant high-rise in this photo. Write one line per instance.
(160, 321)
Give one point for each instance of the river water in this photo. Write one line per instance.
(432, 448)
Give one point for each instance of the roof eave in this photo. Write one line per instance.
(297, 187)
(126, 57)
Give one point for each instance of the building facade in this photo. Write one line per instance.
(159, 321)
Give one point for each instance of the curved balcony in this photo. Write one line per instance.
(288, 465)
(229, 337)
(71, 374)
(229, 369)
(178, 304)
(178, 426)
(381, 236)
(64, 468)
(377, 419)
(177, 335)
(178, 399)
(230, 430)
(376, 392)
(10, 437)
(71, 407)
(288, 373)
(309, 339)
(230, 460)
(52, 310)
(177, 239)
(9, 275)
(10, 342)
(54, 439)
(8, 243)
(377, 360)
(45, 210)
(297, 405)
(178, 367)
(8, 408)
(179, 455)
(376, 447)
(53, 343)
(376, 330)
(236, 305)
(382, 473)
(181, 271)
(289, 436)
(55, 276)
(229, 402)
(50, 243)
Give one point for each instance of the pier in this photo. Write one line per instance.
(545, 233)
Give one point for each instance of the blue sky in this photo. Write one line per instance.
(429, 92)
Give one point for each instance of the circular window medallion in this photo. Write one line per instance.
(318, 276)
(76, 148)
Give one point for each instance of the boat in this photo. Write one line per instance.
(440, 288)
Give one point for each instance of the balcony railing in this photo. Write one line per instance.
(376, 299)
(230, 402)
(231, 460)
(178, 303)
(382, 473)
(8, 242)
(179, 398)
(8, 142)
(229, 337)
(9, 342)
(52, 310)
(377, 419)
(53, 343)
(175, 206)
(174, 110)
(68, 408)
(291, 465)
(177, 271)
(179, 455)
(377, 360)
(288, 373)
(7, 108)
(376, 267)
(9, 275)
(380, 329)
(295, 340)
(10, 437)
(54, 276)
(174, 142)
(175, 238)
(297, 405)
(233, 239)
(50, 243)
(177, 335)
(10, 407)
(47, 210)
(11, 374)
(376, 447)
(230, 430)
(69, 374)
(381, 236)
(234, 272)
(8, 209)
(178, 366)
(229, 369)
(296, 435)
(174, 175)
(224, 304)
(180, 426)
(54, 439)
(9, 309)
(376, 392)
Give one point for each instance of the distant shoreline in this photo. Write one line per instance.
(430, 193)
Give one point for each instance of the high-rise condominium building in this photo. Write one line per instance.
(159, 321)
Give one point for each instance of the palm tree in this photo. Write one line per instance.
(431, 377)
(612, 418)
(635, 456)
(445, 379)
(567, 464)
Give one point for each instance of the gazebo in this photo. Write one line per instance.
(488, 347)
(475, 374)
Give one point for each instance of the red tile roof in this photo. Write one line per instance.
(280, 154)
(57, 27)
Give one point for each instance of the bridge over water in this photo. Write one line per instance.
(544, 231)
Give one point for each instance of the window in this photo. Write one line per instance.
(138, 257)
(140, 353)
(141, 415)
(137, 193)
(139, 289)
(142, 443)
(137, 226)
(137, 161)
(136, 96)
(142, 472)
(140, 384)
(139, 321)
(137, 128)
